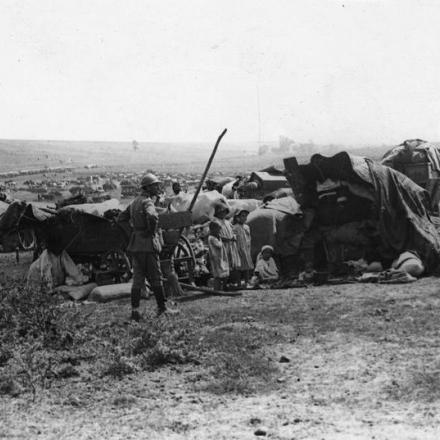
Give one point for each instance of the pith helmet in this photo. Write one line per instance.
(149, 179)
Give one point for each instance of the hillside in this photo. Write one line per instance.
(30, 154)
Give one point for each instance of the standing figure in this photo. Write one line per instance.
(145, 245)
(217, 256)
(243, 234)
(228, 238)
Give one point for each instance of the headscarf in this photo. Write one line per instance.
(266, 247)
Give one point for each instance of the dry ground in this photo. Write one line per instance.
(364, 364)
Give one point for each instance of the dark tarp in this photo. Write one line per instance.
(405, 223)
(413, 151)
(21, 215)
(401, 206)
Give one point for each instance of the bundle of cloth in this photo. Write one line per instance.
(51, 270)
(206, 203)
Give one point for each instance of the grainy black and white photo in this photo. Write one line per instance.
(220, 219)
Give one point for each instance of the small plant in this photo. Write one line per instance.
(66, 372)
(8, 386)
(162, 343)
(124, 401)
(5, 354)
(30, 312)
(119, 367)
(34, 366)
(239, 372)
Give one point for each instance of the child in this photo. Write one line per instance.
(228, 237)
(243, 234)
(217, 257)
(266, 268)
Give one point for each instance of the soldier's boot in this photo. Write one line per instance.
(161, 303)
(135, 301)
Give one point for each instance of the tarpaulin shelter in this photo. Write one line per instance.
(399, 207)
(420, 161)
(413, 151)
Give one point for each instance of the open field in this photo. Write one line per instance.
(170, 157)
(363, 364)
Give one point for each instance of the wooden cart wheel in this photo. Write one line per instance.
(184, 249)
(184, 259)
(117, 262)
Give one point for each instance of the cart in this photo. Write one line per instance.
(99, 244)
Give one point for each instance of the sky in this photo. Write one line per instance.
(352, 72)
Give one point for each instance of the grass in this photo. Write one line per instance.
(44, 341)
(419, 384)
(351, 348)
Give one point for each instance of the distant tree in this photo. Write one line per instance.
(285, 144)
(135, 145)
(263, 149)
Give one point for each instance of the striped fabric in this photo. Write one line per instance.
(231, 246)
(243, 234)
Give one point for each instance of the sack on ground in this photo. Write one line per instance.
(410, 263)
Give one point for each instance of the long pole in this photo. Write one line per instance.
(172, 279)
(205, 173)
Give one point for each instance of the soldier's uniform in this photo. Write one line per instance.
(145, 246)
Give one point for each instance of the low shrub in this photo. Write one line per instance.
(119, 367)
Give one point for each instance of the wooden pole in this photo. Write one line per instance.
(208, 290)
(173, 282)
(205, 173)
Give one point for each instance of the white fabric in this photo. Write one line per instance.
(3, 207)
(327, 185)
(50, 270)
(204, 207)
(180, 202)
(227, 190)
(218, 258)
(237, 205)
(287, 205)
(110, 292)
(410, 263)
(96, 208)
(266, 269)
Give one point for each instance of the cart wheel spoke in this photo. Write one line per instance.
(117, 262)
(184, 259)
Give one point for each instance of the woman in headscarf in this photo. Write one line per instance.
(266, 268)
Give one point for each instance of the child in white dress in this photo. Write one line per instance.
(217, 257)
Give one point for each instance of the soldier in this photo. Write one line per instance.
(145, 245)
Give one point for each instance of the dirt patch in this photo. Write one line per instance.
(361, 363)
